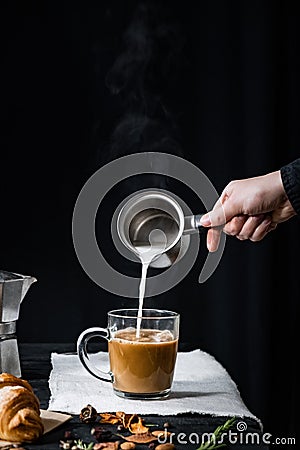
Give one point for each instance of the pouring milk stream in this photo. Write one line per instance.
(146, 253)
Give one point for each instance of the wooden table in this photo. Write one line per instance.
(187, 428)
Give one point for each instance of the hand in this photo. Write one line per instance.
(248, 209)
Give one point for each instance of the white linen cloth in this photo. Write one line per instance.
(201, 385)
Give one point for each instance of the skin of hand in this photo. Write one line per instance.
(248, 209)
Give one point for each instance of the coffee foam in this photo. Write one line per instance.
(146, 335)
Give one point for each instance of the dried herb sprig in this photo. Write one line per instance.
(81, 445)
(213, 442)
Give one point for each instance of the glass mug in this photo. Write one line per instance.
(142, 352)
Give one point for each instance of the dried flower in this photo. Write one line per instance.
(88, 414)
(132, 422)
(137, 427)
(109, 418)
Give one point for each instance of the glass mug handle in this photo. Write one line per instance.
(82, 343)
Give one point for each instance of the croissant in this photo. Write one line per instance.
(20, 419)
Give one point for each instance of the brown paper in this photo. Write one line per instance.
(50, 419)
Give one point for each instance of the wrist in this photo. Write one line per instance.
(275, 183)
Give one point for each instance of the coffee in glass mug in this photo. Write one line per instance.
(142, 352)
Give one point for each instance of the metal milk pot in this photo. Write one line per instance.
(154, 215)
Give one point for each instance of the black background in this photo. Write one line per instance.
(214, 82)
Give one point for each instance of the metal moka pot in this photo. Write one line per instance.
(148, 211)
(13, 288)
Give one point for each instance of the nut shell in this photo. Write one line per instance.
(127, 445)
(167, 446)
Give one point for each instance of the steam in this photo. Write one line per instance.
(142, 78)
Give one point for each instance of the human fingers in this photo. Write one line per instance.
(234, 226)
(262, 230)
(251, 225)
(213, 239)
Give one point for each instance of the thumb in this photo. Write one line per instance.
(219, 215)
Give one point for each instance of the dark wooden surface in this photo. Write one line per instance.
(36, 367)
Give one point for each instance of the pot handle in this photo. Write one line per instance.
(192, 225)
